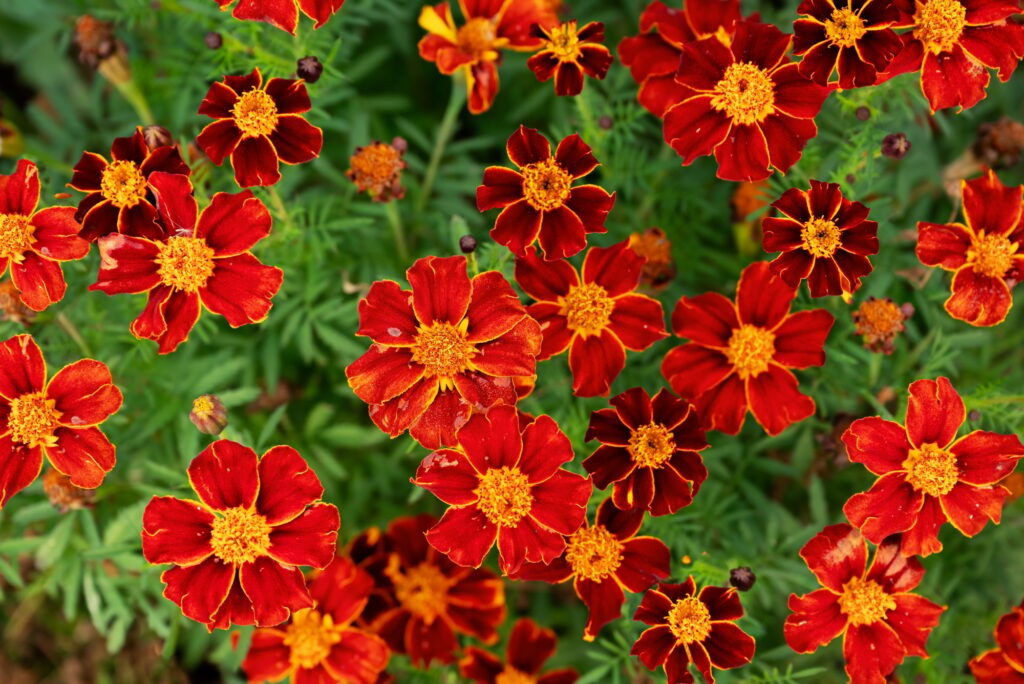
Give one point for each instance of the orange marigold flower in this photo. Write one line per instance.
(926, 475)
(567, 53)
(32, 243)
(1005, 664)
(538, 202)
(449, 347)
(64, 495)
(59, 419)
(985, 253)
(284, 14)
(595, 313)
(320, 644)
(739, 354)
(880, 621)
(879, 321)
(235, 550)
(258, 126)
(659, 266)
(529, 646)
(504, 483)
(376, 169)
(604, 559)
(691, 627)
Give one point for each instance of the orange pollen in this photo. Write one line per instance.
(750, 350)
(821, 237)
(932, 470)
(186, 263)
(587, 309)
(689, 620)
(375, 166)
(991, 255)
(939, 24)
(443, 351)
(746, 93)
(545, 184)
(476, 37)
(16, 236)
(33, 420)
(593, 552)
(844, 28)
(255, 114)
(511, 675)
(423, 590)
(879, 318)
(310, 637)
(239, 535)
(565, 42)
(865, 601)
(651, 445)
(503, 496)
(123, 184)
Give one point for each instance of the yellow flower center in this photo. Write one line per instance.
(939, 24)
(746, 93)
(931, 470)
(689, 620)
(33, 420)
(239, 535)
(423, 590)
(476, 37)
(203, 406)
(864, 601)
(879, 317)
(310, 637)
(844, 28)
(991, 255)
(443, 351)
(123, 184)
(821, 237)
(255, 113)
(750, 350)
(565, 42)
(593, 552)
(503, 496)
(545, 184)
(651, 445)
(16, 236)
(587, 309)
(511, 675)
(185, 263)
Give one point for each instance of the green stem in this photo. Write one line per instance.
(995, 401)
(397, 229)
(444, 134)
(279, 209)
(67, 326)
(131, 92)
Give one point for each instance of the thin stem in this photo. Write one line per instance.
(995, 401)
(67, 326)
(397, 229)
(444, 134)
(131, 92)
(279, 209)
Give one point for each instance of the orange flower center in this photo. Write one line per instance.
(423, 590)
(864, 601)
(593, 552)
(33, 419)
(844, 28)
(689, 620)
(750, 350)
(16, 236)
(939, 24)
(931, 470)
(545, 184)
(651, 445)
(239, 535)
(991, 255)
(375, 165)
(310, 637)
(565, 42)
(821, 237)
(123, 184)
(185, 263)
(587, 309)
(879, 317)
(443, 351)
(746, 93)
(511, 675)
(476, 37)
(503, 496)
(255, 114)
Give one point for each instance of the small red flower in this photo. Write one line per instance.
(985, 253)
(450, 347)
(538, 202)
(59, 419)
(739, 355)
(204, 262)
(504, 483)
(1005, 664)
(32, 243)
(119, 199)
(823, 237)
(258, 126)
(284, 14)
(926, 475)
(648, 450)
(529, 645)
(603, 560)
(567, 53)
(319, 644)
(871, 607)
(852, 38)
(596, 313)
(687, 627)
(235, 550)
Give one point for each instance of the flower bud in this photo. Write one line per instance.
(213, 40)
(467, 243)
(742, 578)
(309, 69)
(209, 415)
(895, 145)
(157, 136)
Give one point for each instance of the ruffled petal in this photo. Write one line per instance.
(384, 373)
(127, 265)
(19, 467)
(241, 289)
(800, 340)
(527, 146)
(450, 476)
(985, 458)
(969, 508)
(890, 506)
(22, 369)
(835, 555)
(255, 162)
(545, 281)
(309, 539)
(295, 140)
(815, 621)
(39, 280)
(595, 362)
(287, 485)
(464, 535)
(934, 412)
(881, 445)
(176, 531)
(84, 393)
(275, 591)
(776, 400)
(517, 226)
(199, 589)
(83, 454)
(233, 223)
(441, 289)
(225, 475)
(56, 234)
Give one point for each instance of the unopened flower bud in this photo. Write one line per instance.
(895, 145)
(209, 415)
(467, 243)
(309, 69)
(862, 113)
(742, 578)
(157, 136)
(213, 40)
(605, 122)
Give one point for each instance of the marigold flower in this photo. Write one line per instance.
(284, 14)
(64, 495)
(320, 644)
(529, 646)
(740, 354)
(58, 418)
(1005, 664)
(538, 202)
(11, 306)
(119, 199)
(448, 348)
(595, 313)
(870, 606)
(234, 551)
(687, 627)
(567, 53)
(258, 126)
(895, 145)
(879, 321)
(823, 237)
(926, 475)
(747, 103)
(604, 559)
(376, 169)
(659, 266)
(985, 253)
(504, 483)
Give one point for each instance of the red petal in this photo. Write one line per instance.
(574, 155)
(638, 321)
(441, 289)
(199, 589)
(494, 309)
(978, 299)
(816, 620)
(723, 407)
(151, 324)
(275, 591)
(788, 137)
(56, 234)
(890, 506)
(501, 187)
(530, 646)
(969, 508)
(560, 503)
(511, 355)
(984, 458)
(694, 129)
(645, 560)
(449, 476)
(492, 440)
(342, 590)
(219, 101)
(872, 652)
(591, 203)
(568, 79)
(923, 538)
(672, 489)
(268, 657)
(795, 95)
(743, 154)
(287, 485)
(527, 146)
(934, 412)
(255, 162)
(22, 369)
(84, 454)
(39, 280)
(406, 410)
(990, 206)
(19, 467)
(835, 555)
(295, 140)
(528, 543)
(607, 465)
(280, 13)
(554, 328)
(84, 393)
(881, 445)
(233, 223)
(383, 373)
(358, 657)
(464, 535)
(728, 646)
(386, 315)
(942, 245)
(290, 95)
(951, 79)
(896, 572)
(517, 226)
(595, 361)
(654, 645)
(545, 281)
(19, 191)
(604, 603)
(762, 298)
(309, 539)
(616, 268)
(800, 340)
(224, 475)
(776, 400)
(708, 319)
(176, 531)
(913, 620)
(561, 235)
(545, 448)
(241, 289)
(236, 610)
(87, 176)
(219, 139)
(127, 265)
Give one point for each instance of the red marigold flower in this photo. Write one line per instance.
(567, 53)
(538, 203)
(504, 483)
(687, 627)
(1005, 664)
(320, 644)
(823, 237)
(119, 199)
(926, 475)
(235, 550)
(206, 261)
(596, 313)
(529, 646)
(33, 242)
(872, 607)
(450, 347)
(284, 14)
(603, 560)
(985, 253)
(746, 102)
(739, 355)
(258, 126)
(59, 418)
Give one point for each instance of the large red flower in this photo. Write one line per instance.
(284, 14)
(538, 202)
(59, 419)
(871, 607)
(985, 253)
(926, 475)
(595, 313)
(504, 483)
(739, 355)
(567, 53)
(236, 549)
(529, 645)
(1005, 664)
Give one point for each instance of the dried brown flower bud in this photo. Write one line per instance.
(63, 494)
(1000, 143)
(309, 69)
(895, 145)
(467, 243)
(879, 321)
(742, 578)
(100, 49)
(157, 136)
(11, 306)
(377, 170)
(208, 414)
(659, 268)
